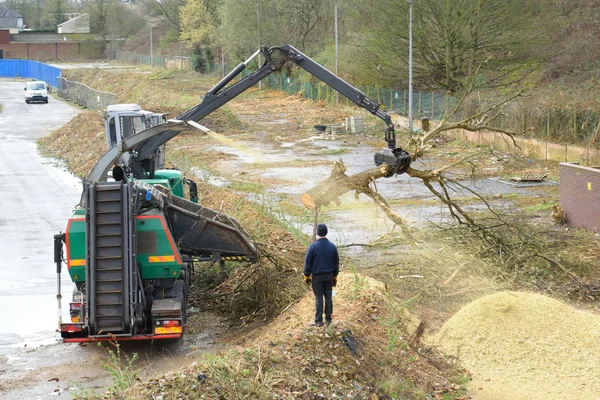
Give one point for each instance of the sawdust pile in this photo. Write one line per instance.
(526, 346)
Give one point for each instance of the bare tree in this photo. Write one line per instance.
(100, 12)
(435, 180)
(451, 37)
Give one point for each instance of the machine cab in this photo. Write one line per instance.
(124, 120)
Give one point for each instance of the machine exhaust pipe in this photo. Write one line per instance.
(58, 257)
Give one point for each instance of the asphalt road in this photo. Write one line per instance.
(36, 199)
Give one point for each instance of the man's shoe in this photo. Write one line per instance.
(317, 324)
(328, 322)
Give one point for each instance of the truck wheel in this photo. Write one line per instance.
(27, 101)
(46, 101)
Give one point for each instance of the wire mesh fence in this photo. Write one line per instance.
(167, 62)
(428, 105)
(558, 125)
(551, 124)
(83, 95)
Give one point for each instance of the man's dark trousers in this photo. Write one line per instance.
(322, 285)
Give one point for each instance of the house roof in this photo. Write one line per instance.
(7, 12)
(82, 17)
(9, 18)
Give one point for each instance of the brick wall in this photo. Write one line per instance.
(53, 51)
(580, 196)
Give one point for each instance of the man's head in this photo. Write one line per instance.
(322, 230)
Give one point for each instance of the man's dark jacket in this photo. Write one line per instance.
(322, 258)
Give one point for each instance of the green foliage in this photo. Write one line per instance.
(163, 74)
(121, 368)
(544, 206)
(197, 23)
(358, 280)
(393, 323)
(202, 59)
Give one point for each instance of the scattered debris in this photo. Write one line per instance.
(350, 340)
(529, 178)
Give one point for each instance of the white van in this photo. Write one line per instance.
(36, 91)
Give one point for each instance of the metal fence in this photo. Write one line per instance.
(30, 69)
(85, 96)
(425, 104)
(558, 125)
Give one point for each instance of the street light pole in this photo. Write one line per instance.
(410, 66)
(337, 95)
(151, 48)
(258, 28)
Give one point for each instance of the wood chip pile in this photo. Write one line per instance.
(525, 346)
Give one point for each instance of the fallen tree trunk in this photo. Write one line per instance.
(339, 183)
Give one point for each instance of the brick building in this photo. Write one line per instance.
(580, 196)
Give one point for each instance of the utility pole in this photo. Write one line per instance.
(337, 94)
(223, 61)
(410, 66)
(258, 25)
(151, 48)
(222, 57)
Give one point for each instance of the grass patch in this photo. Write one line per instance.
(544, 206)
(122, 370)
(251, 187)
(511, 195)
(288, 164)
(163, 74)
(334, 152)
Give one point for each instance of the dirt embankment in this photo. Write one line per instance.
(367, 353)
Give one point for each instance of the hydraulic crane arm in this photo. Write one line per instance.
(143, 144)
(275, 58)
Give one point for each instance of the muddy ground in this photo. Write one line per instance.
(264, 151)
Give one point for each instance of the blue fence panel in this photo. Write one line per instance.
(30, 69)
(14, 68)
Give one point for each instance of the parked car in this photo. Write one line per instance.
(36, 91)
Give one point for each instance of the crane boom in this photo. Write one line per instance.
(146, 142)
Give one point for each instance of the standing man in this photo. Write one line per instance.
(323, 262)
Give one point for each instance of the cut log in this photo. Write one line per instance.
(339, 183)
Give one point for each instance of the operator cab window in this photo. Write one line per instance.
(112, 130)
(131, 125)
